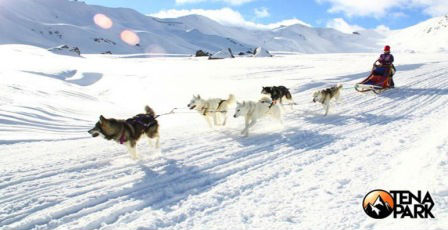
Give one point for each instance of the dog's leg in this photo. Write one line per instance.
(132, 150)
(210, 124)
(246, 125)
(278, 116)
(216, 119)
(252, 123)
(224, 119)
(157, 142)
(327, 108)
(155, 139)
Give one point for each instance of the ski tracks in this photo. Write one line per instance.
(209, 178)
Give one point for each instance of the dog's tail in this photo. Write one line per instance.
(231, 99)
(339, 86)
(150, 111)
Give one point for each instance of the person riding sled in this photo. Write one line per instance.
(384, 65)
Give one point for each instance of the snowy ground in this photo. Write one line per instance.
(312, 173)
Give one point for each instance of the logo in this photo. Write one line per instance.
(379, 204)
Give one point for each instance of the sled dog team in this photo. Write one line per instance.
(128, 132)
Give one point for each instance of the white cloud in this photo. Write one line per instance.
(341, 25)
(261, 12)
(226, 16)
(231, 2)
(382, 8)
(433, 7)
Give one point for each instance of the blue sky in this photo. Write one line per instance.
(345, 15)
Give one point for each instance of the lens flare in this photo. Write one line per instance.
(130, 37)
(103, 21)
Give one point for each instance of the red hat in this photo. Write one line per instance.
(387, 49)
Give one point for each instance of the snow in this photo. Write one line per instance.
(430, 36)
(53, 175)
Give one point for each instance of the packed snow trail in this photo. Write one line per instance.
(312, 173)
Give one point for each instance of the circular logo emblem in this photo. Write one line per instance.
(378, 204)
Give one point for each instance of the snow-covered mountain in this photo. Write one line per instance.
(51, 23)
(297, 38)
(427, 37)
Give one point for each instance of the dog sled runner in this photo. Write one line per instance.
(378, 81)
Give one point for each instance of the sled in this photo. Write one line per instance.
(378, 81)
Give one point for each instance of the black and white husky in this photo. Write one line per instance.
(252, 111)
(214, 109)
(326, 95)
(278, 94)
(128, 132)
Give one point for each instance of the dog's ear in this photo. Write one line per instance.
(102, 118)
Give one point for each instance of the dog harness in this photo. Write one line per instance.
(144, 120)
(122, 137)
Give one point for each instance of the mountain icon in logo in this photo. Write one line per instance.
(378, 204)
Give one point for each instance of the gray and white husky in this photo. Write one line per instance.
(212, 109)
(326, 95)
(252, 111)
(128, 132)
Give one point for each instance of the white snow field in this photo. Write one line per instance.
(310, 173)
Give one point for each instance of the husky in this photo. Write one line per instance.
(278, 93)
(252, 111)
(212, 109)
(326, 95)
(129, 131)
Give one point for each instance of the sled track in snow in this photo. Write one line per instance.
(97, 186)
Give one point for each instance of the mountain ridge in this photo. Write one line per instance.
(51, 23)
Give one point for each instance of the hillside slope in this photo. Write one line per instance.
(427, 37)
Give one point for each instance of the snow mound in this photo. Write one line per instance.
(66, 50)
(222, 54)
(261, 52)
